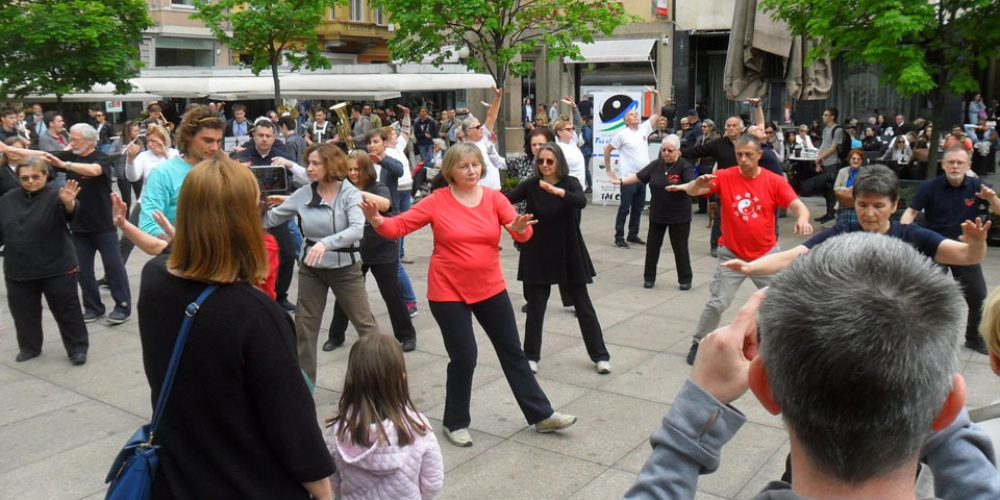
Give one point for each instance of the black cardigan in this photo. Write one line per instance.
(37, 242)
(240, 422)
(556, 252)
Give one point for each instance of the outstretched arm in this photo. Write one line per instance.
(908, 216)
(768, 264)
(971, 250)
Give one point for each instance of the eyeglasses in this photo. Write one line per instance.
(477, 127)
(666, 150)
(26, 178)
(546, 161)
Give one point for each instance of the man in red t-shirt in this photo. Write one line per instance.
(748, 197)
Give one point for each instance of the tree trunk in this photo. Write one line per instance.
(277, 81)
(936, 97)
(59, 101)
(501, 125)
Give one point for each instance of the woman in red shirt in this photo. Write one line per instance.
(464, 278)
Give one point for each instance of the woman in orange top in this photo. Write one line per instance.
(465, 278)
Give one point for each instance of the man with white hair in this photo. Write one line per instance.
(93, 229)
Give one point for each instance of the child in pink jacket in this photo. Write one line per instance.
(382, 446)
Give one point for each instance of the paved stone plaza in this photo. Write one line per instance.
(61, 426)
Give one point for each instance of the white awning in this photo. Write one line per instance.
(368, 86)
(100, 92)
(612, 51)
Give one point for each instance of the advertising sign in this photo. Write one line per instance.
(609, 118)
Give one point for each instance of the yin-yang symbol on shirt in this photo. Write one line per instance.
(615, 107)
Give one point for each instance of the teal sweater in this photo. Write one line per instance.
(161, 192)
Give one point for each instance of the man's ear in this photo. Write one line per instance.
(757, 378)
(953, 404)
(995, 363)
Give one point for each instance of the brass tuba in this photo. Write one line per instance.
(344, 125)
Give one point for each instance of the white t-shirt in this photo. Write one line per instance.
(406, 180)
(575, 161)
(494, 162)
(144, 163)
(633, 149)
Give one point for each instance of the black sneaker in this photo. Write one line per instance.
(78, 358)
(117, 317)
(621, 244)
(693, 353)
(24, 356)
(286, 305)
(685, 286)
(408, 345)
(976, 344)
(647, 284)
(636, 241)
(89, 317)
(826, 218)
(331, 345)
(714, 253)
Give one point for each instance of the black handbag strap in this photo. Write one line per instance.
(175, 359)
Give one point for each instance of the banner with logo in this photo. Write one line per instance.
(609, 118)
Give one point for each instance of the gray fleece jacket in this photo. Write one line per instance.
(698, 425)
(338, 225)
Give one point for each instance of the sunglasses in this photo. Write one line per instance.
(477, 127)
(546, 161)
(26, 178)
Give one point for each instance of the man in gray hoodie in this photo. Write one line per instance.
(866, 382)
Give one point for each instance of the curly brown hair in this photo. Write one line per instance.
(197, 118)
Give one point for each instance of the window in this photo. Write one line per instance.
(184, 52)
(182, 2)
(358, 10)
(380, 17)
(333, 13)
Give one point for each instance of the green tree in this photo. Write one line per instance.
(65, 46)
(923, 47)
(497, 32)
(268, 31)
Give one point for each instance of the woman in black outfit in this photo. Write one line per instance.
(242, 423)
(378, 254)
(556, 255)
(669, 210)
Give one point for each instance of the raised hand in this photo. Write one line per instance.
(497, 91)
(404, 109)
(53, 160)
(371, 212)
(165, 225)
(737, 265)
(375, 158)
(704, 181)
(276, 199)
(986, 193)
(521, 222)
(724, 355)
(67, 193)
(975, 232)
(569, 101)
(803, 227)
(549, 188)
(278, 161)
(119, 210)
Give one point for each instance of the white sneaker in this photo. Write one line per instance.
(533, 365)
(603, 367)
(556, 422)
(460, 438)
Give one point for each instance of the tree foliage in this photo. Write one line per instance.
(268, 31)
(65, 46)
(922, 46)
(497, 32)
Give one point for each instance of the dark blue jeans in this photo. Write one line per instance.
(426, 152)
(87, 245)
(632, 201)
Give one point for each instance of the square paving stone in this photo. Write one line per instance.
(513, 470)
(610, 485)
(600, 416)
(657, 379)
(34, 397)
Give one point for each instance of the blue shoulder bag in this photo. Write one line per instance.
(131, 475)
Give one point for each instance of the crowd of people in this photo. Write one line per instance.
(336, 200)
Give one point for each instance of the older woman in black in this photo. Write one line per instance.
(669, 210)
(41, 260)
(556, 255)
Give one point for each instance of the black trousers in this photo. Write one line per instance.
(25, 301)
(286, 259)
(679, 234)
(974, 289)
(823, 184)
(125, 245)
(87, 246)
(538, 297)
(496, 316)
(386, 277)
